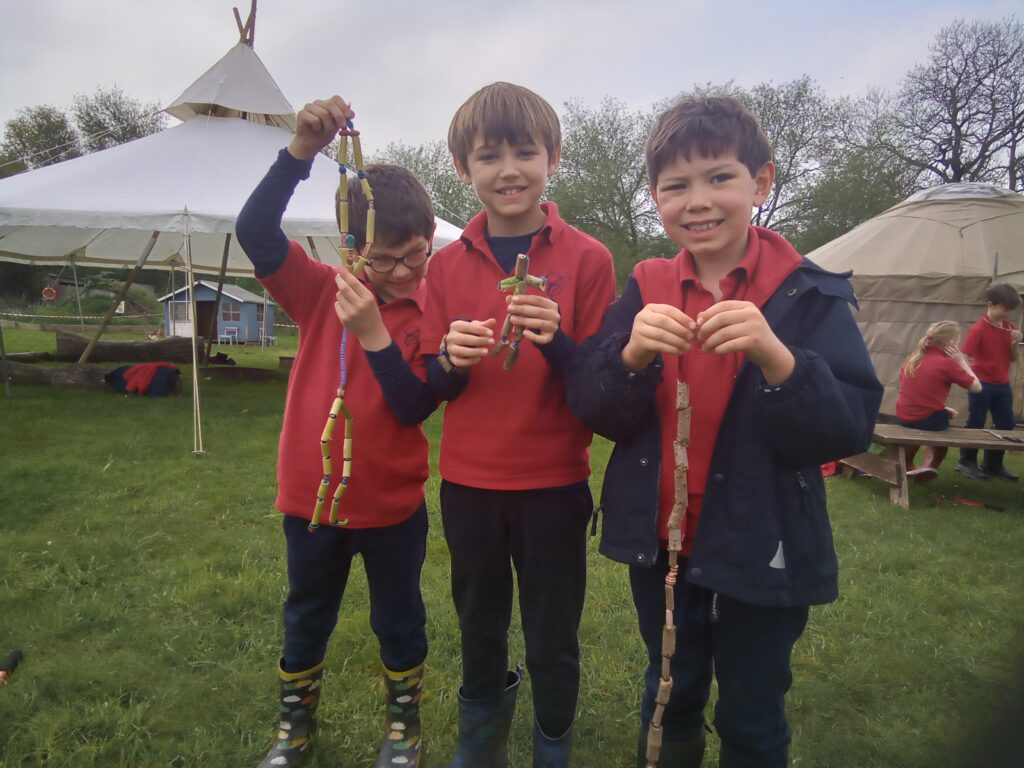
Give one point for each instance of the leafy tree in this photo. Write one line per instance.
(110, 117)
(432, 164)
(41, 136)
(601, 185)
(960, 116)
(10, 164)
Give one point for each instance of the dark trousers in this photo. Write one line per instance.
(994, 398)
(747, 647)
(543, 534)
(318, 569)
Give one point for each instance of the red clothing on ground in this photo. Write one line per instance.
(389, 460)
(926, 391)
(991, 349)
(138, 377)
(768, 261)
(512, 430)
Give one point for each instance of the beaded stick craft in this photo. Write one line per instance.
(347, 251)
(512, 336)
(675, 544)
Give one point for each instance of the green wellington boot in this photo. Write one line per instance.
(674, 754)
(300, 696)
(484, 725)
(551, 752)
(401, 747)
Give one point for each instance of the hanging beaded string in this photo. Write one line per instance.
(347, 251)
(675, 544)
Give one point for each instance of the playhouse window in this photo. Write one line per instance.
(232, 311)
(179, 311)
(259, 313)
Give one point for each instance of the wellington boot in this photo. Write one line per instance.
(401, 747)
(483, 728)
(549, 752)
(300, 696)
(673, 754)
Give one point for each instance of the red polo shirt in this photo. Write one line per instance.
(389, 460)
(991, 349)
(768, 261)
(512, 430)
(926, 391)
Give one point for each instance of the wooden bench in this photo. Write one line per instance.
(891, 464)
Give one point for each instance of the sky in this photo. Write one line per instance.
(406, 66)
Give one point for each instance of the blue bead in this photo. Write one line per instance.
(349, 124)
(361, 174)
(342, 168)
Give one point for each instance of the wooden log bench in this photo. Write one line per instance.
(891, 464)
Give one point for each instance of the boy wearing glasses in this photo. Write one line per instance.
(383, 502)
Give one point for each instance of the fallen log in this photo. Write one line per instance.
(28, 357)
(68, 376)
(173, 349)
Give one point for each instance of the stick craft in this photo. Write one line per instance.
(511, 336)
(347, 251)
(675, 544)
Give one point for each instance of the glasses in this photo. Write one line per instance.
(385, 264)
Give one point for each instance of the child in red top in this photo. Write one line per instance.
(925, 378)
(383, 504)
(992, 345)
(514, 461)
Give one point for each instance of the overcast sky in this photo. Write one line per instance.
(406, 65)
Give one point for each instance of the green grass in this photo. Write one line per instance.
(145, 587)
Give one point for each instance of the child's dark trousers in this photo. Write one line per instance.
(543, 534)
(318, 569)
(747, 647)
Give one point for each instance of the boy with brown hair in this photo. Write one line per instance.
(376, 346)
(992, 346)
(514, 461)
(780, 381)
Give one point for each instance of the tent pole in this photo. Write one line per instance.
(78, 296)
(197, 422)
(211, 333)
(3, 354)
(119, 298)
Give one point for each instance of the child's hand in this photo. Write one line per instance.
(739, 326)
(953, 412)
(357, 310)
(657, 329)
(1016, 336)
(538, 315)
(469, 341)
(953, 351)
(317, 124)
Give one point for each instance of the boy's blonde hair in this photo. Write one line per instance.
(711, 127)
(503, 112)
(402, 205)
(942, 333)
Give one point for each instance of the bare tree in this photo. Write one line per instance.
(960, 116)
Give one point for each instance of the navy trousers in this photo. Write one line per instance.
(748, 649)
(994, 398)
(318, 569)
(543, 534)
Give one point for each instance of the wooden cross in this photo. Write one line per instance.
(512, 336)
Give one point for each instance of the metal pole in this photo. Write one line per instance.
(3, 354)
(197, 421)
(211, 333)
(120, 297)
(78, 296)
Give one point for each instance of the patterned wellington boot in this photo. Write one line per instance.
(401, 747)
(300, 696)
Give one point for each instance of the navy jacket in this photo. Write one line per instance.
(764, 536)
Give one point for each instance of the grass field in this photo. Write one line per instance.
(145, 585)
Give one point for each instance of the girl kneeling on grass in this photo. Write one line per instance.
(925, 379)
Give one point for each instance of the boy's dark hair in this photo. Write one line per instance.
(1003, 294)
(402, 206)
(503, 112)
(710, 126)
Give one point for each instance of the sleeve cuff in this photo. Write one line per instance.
(788, 389)
(386, 360)
(300, 169)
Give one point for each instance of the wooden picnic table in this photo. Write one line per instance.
(891, 464)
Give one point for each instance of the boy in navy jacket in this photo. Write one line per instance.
(780, 381)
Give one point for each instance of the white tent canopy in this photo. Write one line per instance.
(927, 259)
(189, 180)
